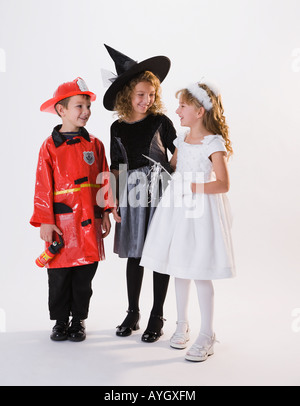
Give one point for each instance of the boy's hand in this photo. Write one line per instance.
(106, 225)
(46, 232)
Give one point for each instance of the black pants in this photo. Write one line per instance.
(70, 291)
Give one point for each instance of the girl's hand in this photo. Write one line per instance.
(106, 225)
(47, 230)
(173, 161)
(197, 187)
(116, 216)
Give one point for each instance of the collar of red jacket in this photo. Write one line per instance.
(59, 138)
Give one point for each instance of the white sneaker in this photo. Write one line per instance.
(200, 353)
(180, 338)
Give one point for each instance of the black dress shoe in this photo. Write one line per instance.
(76, 331)
(60, 331)
(131, 323)
(154, 329)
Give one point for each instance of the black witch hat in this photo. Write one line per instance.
(127, 69)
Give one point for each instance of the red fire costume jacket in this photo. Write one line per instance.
(68, 194)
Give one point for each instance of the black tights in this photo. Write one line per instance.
(135, 274)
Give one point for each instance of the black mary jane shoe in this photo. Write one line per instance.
(76, 331)
(60, 331)
(154, 330)
(130, 324)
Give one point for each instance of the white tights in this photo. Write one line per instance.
(205, 291)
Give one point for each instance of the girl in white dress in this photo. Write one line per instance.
(189, 236)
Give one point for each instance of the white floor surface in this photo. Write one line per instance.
(258, 345)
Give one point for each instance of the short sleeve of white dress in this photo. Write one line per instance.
(214, 143)
(180, 138)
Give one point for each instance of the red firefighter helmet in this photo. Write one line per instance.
(68, 89)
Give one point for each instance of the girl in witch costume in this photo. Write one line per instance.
(141, 132)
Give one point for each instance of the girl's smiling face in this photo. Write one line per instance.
(188, 113)
(143, 97)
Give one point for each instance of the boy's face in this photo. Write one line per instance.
(76, 114)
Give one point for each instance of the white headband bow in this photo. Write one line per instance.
(201, 95)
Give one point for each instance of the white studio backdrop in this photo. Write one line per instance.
(251, 48)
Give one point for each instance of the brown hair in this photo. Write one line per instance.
(214, 119)
(123, 105)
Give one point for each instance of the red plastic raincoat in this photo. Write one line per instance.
(65, 194)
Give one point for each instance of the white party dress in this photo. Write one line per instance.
(190, 234)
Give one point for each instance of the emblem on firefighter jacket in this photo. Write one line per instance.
(89, 157)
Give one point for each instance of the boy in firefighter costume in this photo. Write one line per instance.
(71, 201)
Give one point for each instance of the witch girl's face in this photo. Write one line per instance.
(143, 97)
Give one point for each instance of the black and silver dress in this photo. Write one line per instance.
(131, 144)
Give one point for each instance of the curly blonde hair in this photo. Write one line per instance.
(214, 119)
(123, 105)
